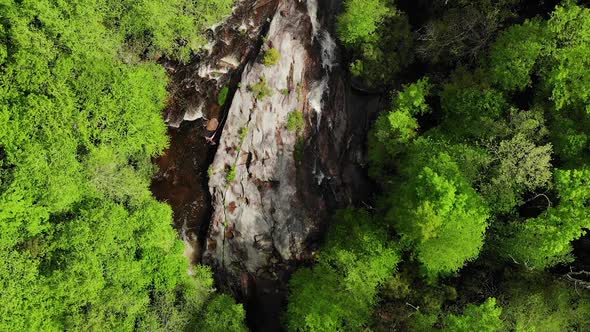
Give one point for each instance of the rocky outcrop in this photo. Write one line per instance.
(258, 218)
(272, 187)
(194, 113)
(195, 86)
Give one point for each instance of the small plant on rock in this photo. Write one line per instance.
(271, 57)
(231, 175)
(243, 134)
(222, 97)
(260, 89)
(295, 121)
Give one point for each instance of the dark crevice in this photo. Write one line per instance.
(182, 179)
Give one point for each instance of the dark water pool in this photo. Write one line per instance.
(182, 180)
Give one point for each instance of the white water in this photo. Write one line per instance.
(189, 248)
(328, 45)
(211, 73)
(312, 11)
(328, 56)
(319, 176)
(316, 95)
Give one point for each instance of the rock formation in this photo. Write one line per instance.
(271, 186)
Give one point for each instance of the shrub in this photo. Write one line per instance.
(295, 121)
(271, 57)
(231, 175)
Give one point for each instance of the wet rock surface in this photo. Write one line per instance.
(196, 86)
(194, 117)
(270, 207)
(182, 183)
(252, 198)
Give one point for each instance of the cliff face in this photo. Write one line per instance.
(270, 206)
(195, 87)
(193, 115)
(258, 217)
(272, 189)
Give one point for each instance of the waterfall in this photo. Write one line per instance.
(312, 11)
(328, 57)
(316, 95)
(328, 45)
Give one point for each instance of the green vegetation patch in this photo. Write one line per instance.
(261, 89)
(231, 174)
(483, 173)
(271, 57)
(295, 121)
(222, 97)
(84, 245)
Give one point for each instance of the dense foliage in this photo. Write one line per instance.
(84, 245)
(378, 36)
(437, 212)
(341, 289)
(480, 159)
(483, 172)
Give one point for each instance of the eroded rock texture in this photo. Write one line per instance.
(195, 86)
(270, 207)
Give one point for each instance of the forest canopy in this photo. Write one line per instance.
(482, 169)
(479, 160)
(84, 245)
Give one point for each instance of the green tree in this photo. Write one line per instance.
(483, 318)
(222, 314)
(84, 244)
(394, 130)
(341, 290)
(460, 31)
(555, 52)
(535, 303)
(568, 75)
(437, 212)
(569, 135)
(519, 161)
(379, 37)
(472, 110)
(316, 302)
(519, 166)
(544, 241)
(175, 28)
(515, 53)
(361, 19)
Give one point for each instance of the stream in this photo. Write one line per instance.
(182, 182)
